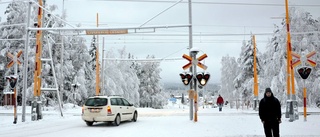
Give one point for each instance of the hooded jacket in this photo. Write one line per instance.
(269, 108)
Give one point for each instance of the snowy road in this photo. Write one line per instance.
(160, 123)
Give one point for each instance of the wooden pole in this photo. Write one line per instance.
(97, 62)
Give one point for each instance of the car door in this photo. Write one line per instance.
(121, 109)
(114, 106)
(129, 109)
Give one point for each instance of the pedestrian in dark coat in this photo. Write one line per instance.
(270, 114)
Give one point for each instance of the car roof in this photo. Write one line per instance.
(109, 96)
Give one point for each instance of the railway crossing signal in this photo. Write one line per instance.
(12, 79)
(12, 57)
(311, 62)
(203, 78)
(197, 62)
(186, 78)
(304, 72)
(304, 59)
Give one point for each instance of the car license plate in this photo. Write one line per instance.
(94, 110)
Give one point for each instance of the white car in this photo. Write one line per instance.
(108, 109)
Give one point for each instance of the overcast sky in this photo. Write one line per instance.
(213, 17)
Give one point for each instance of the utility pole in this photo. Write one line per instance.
(102, 72)
(25, 65)
(61, 59)
(97, 62)
(190, 47)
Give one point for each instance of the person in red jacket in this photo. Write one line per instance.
(220, 102)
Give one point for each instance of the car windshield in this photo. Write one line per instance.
(96, 102)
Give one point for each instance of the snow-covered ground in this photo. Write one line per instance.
(173, 121)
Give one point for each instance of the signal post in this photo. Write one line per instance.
(202, 78)
(12, 80)
(304, 72)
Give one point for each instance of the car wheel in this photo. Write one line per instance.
(135, 117)
(89, 123)
(117, 120)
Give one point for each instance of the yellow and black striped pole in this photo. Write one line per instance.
(291, 95)
(290, 72)
(255, 77)
(37, 72)
(288, 51)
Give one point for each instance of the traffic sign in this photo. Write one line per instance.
(200, 64)
(311, 62)
(197, 61)
(298, 61)
(13, 60)
(189, 59)
(303, 59)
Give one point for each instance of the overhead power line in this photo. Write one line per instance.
(144, 60)
(216, 3)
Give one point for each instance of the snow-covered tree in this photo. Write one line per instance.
(274, 64)
(79, 63)
(244, 80)
(90, 68)
(229, 70)
(150, 90)
(275, 57)
(120, 78)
